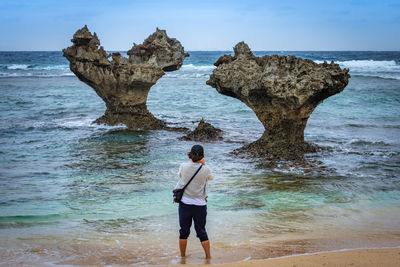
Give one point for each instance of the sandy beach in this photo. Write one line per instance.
(384, 257)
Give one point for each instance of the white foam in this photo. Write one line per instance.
(17, 67)
(77, 122)
(67, 74)
(186, 75)
(200, 67)
(34, 67)
(387, 69)
(368, 65)
(40, 75)
(74, 122)
(52, 67)
(327, 251)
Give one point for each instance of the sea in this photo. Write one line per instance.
(77, 193)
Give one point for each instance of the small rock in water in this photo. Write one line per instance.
(204, 132)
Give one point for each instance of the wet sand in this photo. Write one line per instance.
(386, 257)
(285, 253)
(117, 250)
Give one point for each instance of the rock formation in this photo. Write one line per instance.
(283, 91)
(124, 83)
(204, 132)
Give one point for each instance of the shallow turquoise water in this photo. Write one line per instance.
(63, 179)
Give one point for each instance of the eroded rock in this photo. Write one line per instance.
(283, 91)
(204, 132)
(124, 83)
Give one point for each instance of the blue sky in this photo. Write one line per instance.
(204, 24)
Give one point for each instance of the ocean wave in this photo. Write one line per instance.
(79, 122)
(355, 125)
(33, 74)
(358, 142)
(25, 70)
(52, 67)
(200, 67)
(66, 67)
(15, 67)
(367, 65)
(187, 75)
(33, 67)
(66, 124)
(388, 76)
(386, 69)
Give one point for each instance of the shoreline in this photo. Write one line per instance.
(127, 252)
(363, 257)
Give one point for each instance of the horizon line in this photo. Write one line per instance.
(224, 50)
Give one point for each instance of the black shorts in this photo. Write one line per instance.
(198, 214)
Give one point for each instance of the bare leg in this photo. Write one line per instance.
(206, 247)
(182, 246)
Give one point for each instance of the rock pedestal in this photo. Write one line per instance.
(124, 83)
(283, 91)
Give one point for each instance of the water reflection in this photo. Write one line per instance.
(115, 149)
(109, 175)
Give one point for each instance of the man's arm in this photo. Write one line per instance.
(203, 162)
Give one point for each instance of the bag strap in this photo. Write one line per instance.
(192, 177)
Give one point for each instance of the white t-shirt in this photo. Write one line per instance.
(196, 192)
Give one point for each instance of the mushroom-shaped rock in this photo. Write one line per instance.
(283, 91)
(124, 83)
(204, 132)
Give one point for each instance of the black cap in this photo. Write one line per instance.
(197, 150)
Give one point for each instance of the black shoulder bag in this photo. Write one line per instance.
(178, 193)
